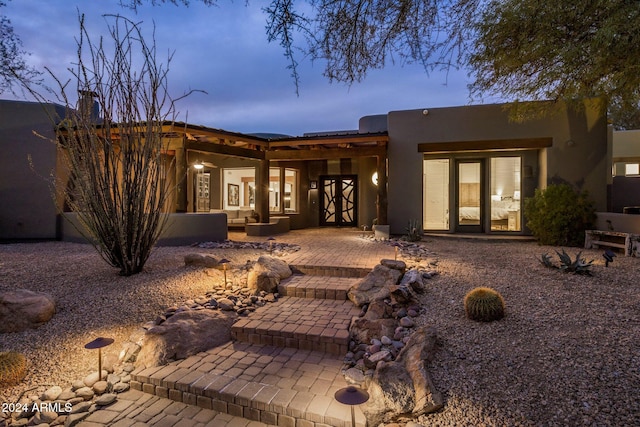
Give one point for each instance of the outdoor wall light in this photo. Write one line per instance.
(99, 343)
(352, 396)
(224, 263)
(374, 178)
(425, 112)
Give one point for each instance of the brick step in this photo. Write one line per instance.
(274, 385)
(329, 270)
(300, 323)
(321, 287)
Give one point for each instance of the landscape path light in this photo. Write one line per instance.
(271, 240)
(608, 257)
(352, 396)
(224, 263)
(99, 343)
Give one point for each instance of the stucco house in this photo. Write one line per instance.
(456, 170)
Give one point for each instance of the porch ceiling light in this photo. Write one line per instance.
(198, 165)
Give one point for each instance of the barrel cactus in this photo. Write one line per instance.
(13, 368)
(484, 305)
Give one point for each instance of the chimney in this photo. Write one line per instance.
(88, 106)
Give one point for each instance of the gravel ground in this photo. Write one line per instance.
(566, 354)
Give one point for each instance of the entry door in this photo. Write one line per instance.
(202, 192)
(469, 202)
(339, 195)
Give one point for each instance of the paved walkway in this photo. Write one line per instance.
(284, 365)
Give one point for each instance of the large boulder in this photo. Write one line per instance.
(266, 274)
(201, 260)
(23, 309)
(185, 334)
(374, 286)
(404, 387)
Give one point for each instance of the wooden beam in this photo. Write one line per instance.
(485, 145)
(326, 154)
(225, 150)
(330, 140)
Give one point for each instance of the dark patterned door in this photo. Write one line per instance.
(339, 195)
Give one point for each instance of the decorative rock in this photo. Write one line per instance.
(412, 424)
(201, 260)
(226, 304)
(100, 387)
(23, 309)
(113, 379)
(106, 399)
(81, 407)
(85, 392)
(44, 417)
(407, 322)
(385, 340)
(354, 376)
(404, 385)
(266, 274)
(413, 279)
(362, 330)
(52, 393)
(394, 264)
(120, 387)
(92, 378)
(185, 334)
(66, 395)
(374, 285)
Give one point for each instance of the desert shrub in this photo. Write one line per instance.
(414, 231)
(484, 305)
(559, 215)
(13, 368)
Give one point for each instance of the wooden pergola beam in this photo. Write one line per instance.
(326, 153)
(226, 150)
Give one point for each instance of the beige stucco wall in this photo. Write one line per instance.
(578, 155)
(626, 144)
(27, 210)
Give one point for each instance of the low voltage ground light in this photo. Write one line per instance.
(99, 343)
(352, 396)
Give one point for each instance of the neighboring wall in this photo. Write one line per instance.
(27, 210)
(579, 154)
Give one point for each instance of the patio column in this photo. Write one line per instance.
(262, 190)
(381, 202)
(181, 179)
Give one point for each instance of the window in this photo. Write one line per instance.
(505, 193)
(632, 169)
(290, 199)
(238, 188)
(274, 190)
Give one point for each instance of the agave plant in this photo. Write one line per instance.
(577, 266)
(545, 259)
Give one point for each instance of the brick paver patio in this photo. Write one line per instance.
(284, 365)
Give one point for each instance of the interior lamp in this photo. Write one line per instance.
(516, 195)
(496, 197)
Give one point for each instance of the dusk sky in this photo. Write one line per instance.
(224, 51)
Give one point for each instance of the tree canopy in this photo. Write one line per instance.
(557, 50)
(13, 66)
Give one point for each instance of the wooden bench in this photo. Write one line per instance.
(628, 242)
